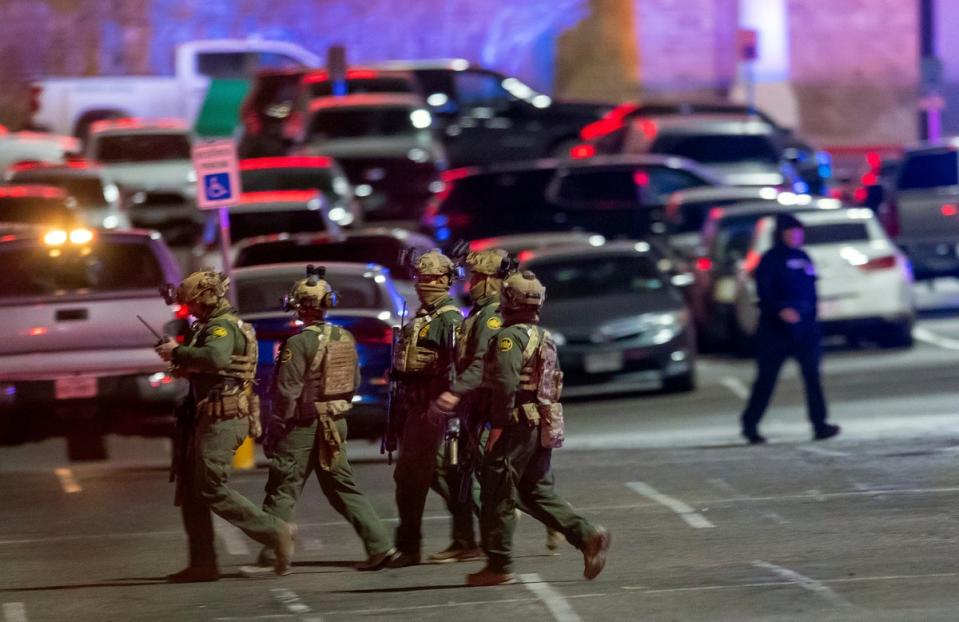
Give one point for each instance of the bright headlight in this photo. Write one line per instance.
(111, 222)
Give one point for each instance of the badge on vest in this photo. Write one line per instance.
(218, 331)
(494, 323)
(505, 344)
(424, 331)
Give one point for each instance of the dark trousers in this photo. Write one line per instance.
(775, 344)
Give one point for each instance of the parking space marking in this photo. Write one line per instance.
(14, 612)
(311, 545)
(557, 605)
(68, 482)
(233, 539)
(289, 600)
(822, 451)
(741, 586)
(693, 518)
(807, 583)
(927, 336)
(736, 386)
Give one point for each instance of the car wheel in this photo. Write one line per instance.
(680, 384)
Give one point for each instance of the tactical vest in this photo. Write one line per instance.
(409, 356)
(242, 366)
(332, 377)
(237, 400)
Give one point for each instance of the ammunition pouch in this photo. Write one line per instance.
(330, 441)
(233, 401)
(332, 377)
(409, 356)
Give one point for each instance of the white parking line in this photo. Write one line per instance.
(311, 545)
(833, 453)
(233, 539)
(692, 517)
(290, 600)
(927, 336)
(558, 606)
(807, 583)
(739, 586)
(14, 612)
(737, 386)
(68, 482)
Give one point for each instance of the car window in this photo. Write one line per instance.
(601, 188)
(142, 147)
(382, 84)
(717, 149)
(373, 249)
(590, 277)
(663, 181)
(99, 267)
(266, 294)
(36, 210)
(332, 123)
(251, 224)
(266, 179)
(225, 64)
(272, 60)
(733, 237)
(929, 170)
(836, 233)
(480, 90)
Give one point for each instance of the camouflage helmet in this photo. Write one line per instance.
(434, 263)
(522, 289)
(205, 287)
(313, 292)
(488, 262)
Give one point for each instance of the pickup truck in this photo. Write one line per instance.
(71, 105)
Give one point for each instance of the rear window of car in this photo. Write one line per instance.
(266, 294)
(836, 233)
(38, 270)
(329, 124)
(929, 170)
(590, 277)
(266, 179)
(35, 211)
(143, 147)
(251, 224)
(364, 85)
(600, 188)
(717, 149)
(378, 250)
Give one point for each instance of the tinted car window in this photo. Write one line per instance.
(327, 124)
(474, 90)
(142, 147)
(266, 179)
(107, 267)
(35, 210)
(589, 277)
(929, 170)
(382, 84)
(664, 181)
(266, 294)
(717, 149)
(515, 195)
(250, 224)
(225, 64)
(835, 233)
(601, 188)
(373, 249)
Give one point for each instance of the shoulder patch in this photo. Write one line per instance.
(424, 331)
(218, 331)
(286, 355)
(494, 323)
(505, 344)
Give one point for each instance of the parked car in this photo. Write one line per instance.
(922, 212)
(369, 306)
(38, 205)
(382, 246)
(615, 196)
(864, 282)
(305, 173)
(35, 147)
(69, 301)
(72, 105)
(151, 164)
(521, 245)
(386, 145)
(283, 212)
(96, 197)
(620, 323)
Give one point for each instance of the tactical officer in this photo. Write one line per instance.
(218, 414)
(786, 285)
(522, 372)
(316, 374)
(422, 362)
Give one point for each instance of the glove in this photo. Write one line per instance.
(437, 415)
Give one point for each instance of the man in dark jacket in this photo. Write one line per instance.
(786, 286)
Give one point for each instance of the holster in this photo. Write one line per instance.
(330, 441)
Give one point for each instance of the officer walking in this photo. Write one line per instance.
(786, 285)
(316, 375)
(218, 414)
(525, 381)
(421, 364)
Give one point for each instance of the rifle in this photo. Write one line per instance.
(452, 435)
(159, 337)
(394, 419)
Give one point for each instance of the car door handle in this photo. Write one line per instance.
(72, 315)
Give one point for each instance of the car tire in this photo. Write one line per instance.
(897, 335)
(680, 384)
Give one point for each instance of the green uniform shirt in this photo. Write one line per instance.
(213, 343)
(504, 364)
(481, 325)
(292, 364)
(435, 336)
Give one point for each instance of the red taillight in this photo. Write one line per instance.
(524, 256)
(949, 209)
(704, 264)
(582, 152)
(860, 194)
(641, 178)
(648, 128)
(880, 263)
(376, 334)
(751, 262)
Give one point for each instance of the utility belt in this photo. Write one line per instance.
(232, 399)
(548, 417)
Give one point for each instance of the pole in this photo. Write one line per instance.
(224, 217)
(930, 117)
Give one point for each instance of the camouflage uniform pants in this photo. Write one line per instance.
(516, 473)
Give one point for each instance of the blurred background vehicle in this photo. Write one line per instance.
(620, 323)
(368, 307)
(379, 245)
(38, 205)
(35, 147)
(386, 145)
(150, 163)
(687, 210)
(96, 197)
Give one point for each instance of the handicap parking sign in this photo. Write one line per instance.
(216, 187)
(215, 163)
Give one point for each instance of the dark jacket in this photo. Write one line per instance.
(786, 278)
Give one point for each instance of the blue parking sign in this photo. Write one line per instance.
(216, 187)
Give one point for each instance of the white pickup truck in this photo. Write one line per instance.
(71, 105)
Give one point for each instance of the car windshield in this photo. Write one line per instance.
(360, 123)
(249, 224)
(35, 211)
(143, 147)
(381, 250)
(265, 294)
(305, 178)
(929, 170)
(716, 148)
(381, 84)
(836, 233)
(99, 267)
(592, 277)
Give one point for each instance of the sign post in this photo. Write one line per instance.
(217, 184)
(747, 44)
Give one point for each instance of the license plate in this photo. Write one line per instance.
(603, 362)
(75, 387)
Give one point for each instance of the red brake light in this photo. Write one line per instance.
(704, 264)
(751, 262)
(949, 209)
(361, 74)
(582, 152)
(454, 174)
(612, 121)
(524, 256)
(641, 178)
(648, 128)
(880, 263)
(253, 164)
